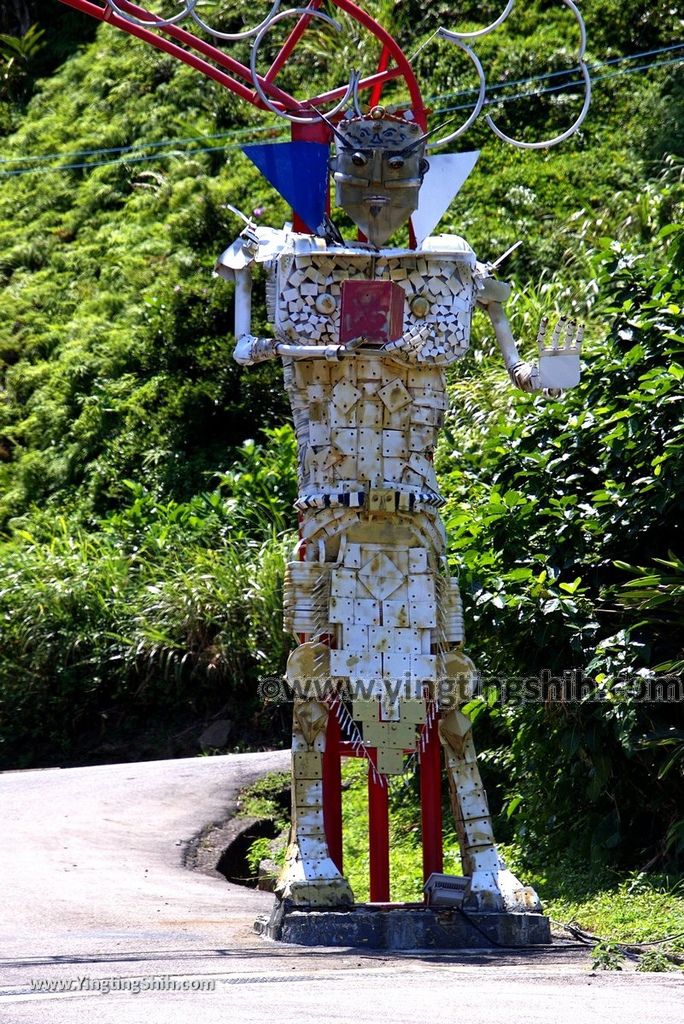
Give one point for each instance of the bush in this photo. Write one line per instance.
(547, 503)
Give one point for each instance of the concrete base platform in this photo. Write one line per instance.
(400, 927)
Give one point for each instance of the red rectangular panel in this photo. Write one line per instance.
(372, 309)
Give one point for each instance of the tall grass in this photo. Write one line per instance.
(166, 609)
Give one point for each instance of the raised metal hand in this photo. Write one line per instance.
(559, 357)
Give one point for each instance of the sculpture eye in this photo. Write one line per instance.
(424, 166)
(359, 159)
(395, 162)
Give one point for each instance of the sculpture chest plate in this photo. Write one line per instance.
(308, 288)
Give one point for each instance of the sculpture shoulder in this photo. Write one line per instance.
(450, 246)
(489, 288)
(253, 245)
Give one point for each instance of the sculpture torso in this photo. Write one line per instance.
(367, 426)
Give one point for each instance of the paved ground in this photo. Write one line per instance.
(101, 922)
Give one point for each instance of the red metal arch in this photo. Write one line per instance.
(214, 63)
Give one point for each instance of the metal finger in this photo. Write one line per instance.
(542, 330)
(557, 332)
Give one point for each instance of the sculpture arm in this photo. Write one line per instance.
(559, 359)
(524, 375)
(251, 349)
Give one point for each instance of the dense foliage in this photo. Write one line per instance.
(543, 527)
(144, 514)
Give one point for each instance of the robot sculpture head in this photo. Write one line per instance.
(378, 170)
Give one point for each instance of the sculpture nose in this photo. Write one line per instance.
(376, 168)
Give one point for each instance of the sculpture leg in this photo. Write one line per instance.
(309, 876)
(492, 886)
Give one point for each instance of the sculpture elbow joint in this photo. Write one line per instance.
(250, 350)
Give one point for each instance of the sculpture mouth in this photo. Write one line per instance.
(377, 200)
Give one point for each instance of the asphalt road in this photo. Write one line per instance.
(101, 922)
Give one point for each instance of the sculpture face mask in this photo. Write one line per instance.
(378, 171)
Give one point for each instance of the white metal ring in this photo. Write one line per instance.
(557, 138)
(444, 33)
(585, 106)
(480, 99)
(155, 22)
(255, 51)
(236, 36)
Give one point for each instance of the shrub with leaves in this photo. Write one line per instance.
(546, 502)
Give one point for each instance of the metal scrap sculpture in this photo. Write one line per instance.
(365, 333)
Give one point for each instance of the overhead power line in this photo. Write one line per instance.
(234, 133)
(162, 150)
(557, 74)
(576, 83)
(237, 132)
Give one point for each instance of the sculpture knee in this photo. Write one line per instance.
(455, 732)
(308, 673)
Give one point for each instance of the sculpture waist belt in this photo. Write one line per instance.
(378, 499)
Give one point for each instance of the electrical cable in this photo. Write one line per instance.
(557, 74)
(111, 163)
(565, 85)
(139, 145)
(582, 937)
(235, 133)
(228, 135)
(589, 939)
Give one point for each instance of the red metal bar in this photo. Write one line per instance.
(365, 83)
(316, 131)
(162, 44)
(403, 68)
(188, 39)
(376, 95)
(213, 52)
(332, 790)
(403, 65)
(291, 41)
(378, 835)
(431, 802)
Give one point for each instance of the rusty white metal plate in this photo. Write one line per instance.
(396, 614)
(417, 560)
(370, 415)
(342, 583)
(384, 639)
(356, 665)
(394, 395)
(341, 610)
(423, 614)
(394, 444)
(345, 395)
(380, 576)
(424, 667)
(345, 440)
(392, 472)
(396, 666)
(367, 612)
(421, 587)
(319, 434)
